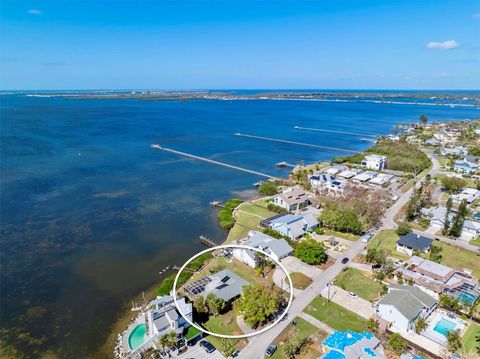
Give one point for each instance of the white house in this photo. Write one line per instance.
(292, 199)
(436, 216)
(365, 176)
(455, 151)
(277, 248)
(470, 230)
(320, 180)
(333, 170)
(403, 305)
(290, 225)
(349, 173)
(464, 166)
(468, 194)
(381, 179)
(375, 162)
(164, 316)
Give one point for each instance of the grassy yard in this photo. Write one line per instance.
(348, 236)
(459, 258)
(248, 217)
(302, 329)
(387, 240)
(355, 280)
(300, 280)
(468, 339)
(475, 242)
(224, 324)
(335, 315)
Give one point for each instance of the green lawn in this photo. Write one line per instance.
(223, 324)
(335, 315)
(300, 280)
(387, 240)
(355, 280)
(348, 236)
(460, 259)
(302, 329)
(468, 339)
(475, 242)
(191, 332)
(248, 218)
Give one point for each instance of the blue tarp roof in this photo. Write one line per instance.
(334, 354)
(340, 340)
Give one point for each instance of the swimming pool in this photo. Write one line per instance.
(467, 298)
(136, 337)
(443, 326)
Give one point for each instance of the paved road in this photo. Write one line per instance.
(453, 242)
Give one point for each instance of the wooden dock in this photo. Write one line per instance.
(334, 131)
(207, 241)
(216, 204)
(336, 149)
(204, 159)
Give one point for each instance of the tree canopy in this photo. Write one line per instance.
(311, 252)
(340, 218)
(258, 303)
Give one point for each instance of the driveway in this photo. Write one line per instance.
(293, 264)
(360, 306)
(198, 352)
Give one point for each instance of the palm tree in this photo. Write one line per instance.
(171, 339)
(162, 342)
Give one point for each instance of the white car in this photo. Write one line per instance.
(353, 295)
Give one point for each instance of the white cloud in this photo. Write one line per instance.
(444, 45)
(35, 12)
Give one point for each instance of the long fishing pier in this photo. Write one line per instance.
(294, 143)
(204, 159)
(335, 131)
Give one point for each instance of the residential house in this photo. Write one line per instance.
(276, 248)
(164, 317)
(375, 162)
(352, 345)
(292, 199)
(455, 151)
(333, 170)
(437, 216)
(225, 285)
(470, 230)
(468, 194)
(365, 176)
(464, 166)
(349, 173)
(435, 279)
(325, 182)
(411, 241)
(290, 225)
(403, 305)
(381, 179)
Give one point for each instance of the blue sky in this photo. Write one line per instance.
(121, 44)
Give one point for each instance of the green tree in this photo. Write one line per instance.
(454, 340)
(162, 342)
(311, 252)
(457, 225)
(423, 119)
(435, 253)
(446, 223)
(340, 218)
(397, 343)
(214, 304)
(372, 325)
(403, 229)
(453, 184)
(413, 206)
(370, 256)
(420, 325)
(268, 188)
(258, 303)
(200, 305)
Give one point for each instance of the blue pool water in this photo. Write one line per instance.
(467, 298)
(443, 326)
(137, 336)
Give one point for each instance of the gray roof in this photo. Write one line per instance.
(279, 247)
(225, 285)
(408, 300)
(415, 241)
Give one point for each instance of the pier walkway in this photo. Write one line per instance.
(335, 131)
(295, 143)
(204, 159)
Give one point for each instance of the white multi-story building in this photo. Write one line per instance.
(375, 162)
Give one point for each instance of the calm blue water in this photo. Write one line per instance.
(90, 213)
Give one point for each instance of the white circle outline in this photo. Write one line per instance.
(203, 330)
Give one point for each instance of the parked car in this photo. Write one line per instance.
(209, 348)
(182, 350)
(271, 349)
(235, 354)
(353, 295)
(398, 262)
(345, 260)
(366, 237)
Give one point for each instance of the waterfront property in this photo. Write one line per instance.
(375, 162)
(381, 179)
(348, 174)
(333, 170)
(277, 248)
(352, 345)
(293, 226)
(411, 241)
(291, 199)
(225, 285)
(160, 318)
(327, 183)
(435, 279)
(365, 176)
(403, 305)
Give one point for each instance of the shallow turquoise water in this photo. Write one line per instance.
(443, 326)
(137, 336)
